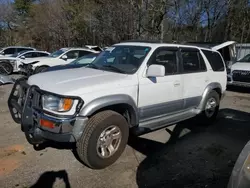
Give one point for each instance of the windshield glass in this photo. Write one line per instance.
(57, 53)
(245, 59)
(84, 59)
(123, 59)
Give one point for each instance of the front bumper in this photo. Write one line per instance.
(24, 108)
(26, 69)
(240, 83)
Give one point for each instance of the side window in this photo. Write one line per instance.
(167, 58)
(73, 54)
(83, 53)
(28, 55)
(192, 61)
(20, 49)
(9, 51)
(39, 54)
(215, 60)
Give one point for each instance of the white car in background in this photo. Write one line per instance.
(239, 72)
(10, 50)
(11, 63)
(62, 56)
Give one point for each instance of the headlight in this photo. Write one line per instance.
(54, 103)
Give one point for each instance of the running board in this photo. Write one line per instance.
(163, 121)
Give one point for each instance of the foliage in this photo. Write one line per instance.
(51, 24)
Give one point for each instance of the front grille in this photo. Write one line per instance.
(241, 76)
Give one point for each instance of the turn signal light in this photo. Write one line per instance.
(67, 104)
(47, 123)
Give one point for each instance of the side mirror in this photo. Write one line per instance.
(156, 71)
(2, 53)
(64, 57)
(22, 57)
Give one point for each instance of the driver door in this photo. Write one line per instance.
(161, 96)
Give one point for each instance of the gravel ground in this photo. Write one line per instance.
(183, 155)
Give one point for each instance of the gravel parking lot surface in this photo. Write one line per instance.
(183, 155)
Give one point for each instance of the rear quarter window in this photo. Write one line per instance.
(215, 60)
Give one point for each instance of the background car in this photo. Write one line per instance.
(62, 56)
(5, 79)
(8, 51)
(11, 63)
(239, 72)
(78, 63)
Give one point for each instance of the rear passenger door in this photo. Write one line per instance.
(194, 76)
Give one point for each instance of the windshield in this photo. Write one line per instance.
(245, 59)
(57, 53)
(84, 60)
(123, 59)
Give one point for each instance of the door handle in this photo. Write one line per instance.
(177, 84)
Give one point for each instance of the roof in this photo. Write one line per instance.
(155, 45)
(18, 47)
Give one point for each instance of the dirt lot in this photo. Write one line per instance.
(184, 155)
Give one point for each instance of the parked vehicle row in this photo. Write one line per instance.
(29, 60)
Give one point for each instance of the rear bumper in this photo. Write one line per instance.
(23, 108)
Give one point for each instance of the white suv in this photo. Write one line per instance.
(60, 57)
(12, 63)
(239, 72)
(137, 86)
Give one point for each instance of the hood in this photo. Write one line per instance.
(241, 66)
(223, 45)
(28, 61)
(76, 82)
(62, 67)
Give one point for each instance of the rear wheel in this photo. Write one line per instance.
(211, 108)
(104, 139)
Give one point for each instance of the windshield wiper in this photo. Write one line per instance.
(114, 68)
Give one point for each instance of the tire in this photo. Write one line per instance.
(87, 145)
(40, 69)
(6, 68)
(206, 118)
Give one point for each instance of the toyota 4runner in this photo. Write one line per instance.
(131, 87)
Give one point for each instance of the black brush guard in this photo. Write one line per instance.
(22, 100)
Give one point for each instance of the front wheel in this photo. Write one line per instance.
(6, 68)
(41, 69)
(103, 140)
